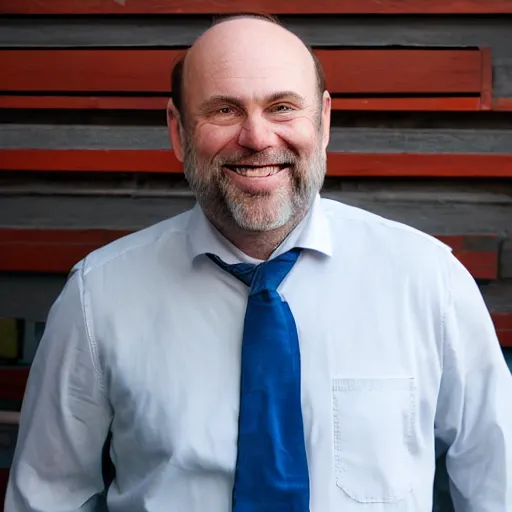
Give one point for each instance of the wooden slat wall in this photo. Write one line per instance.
(277, 7)
(422, 129)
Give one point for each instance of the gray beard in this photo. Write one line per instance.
(223, 203)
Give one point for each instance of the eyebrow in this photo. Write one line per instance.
(233, 100)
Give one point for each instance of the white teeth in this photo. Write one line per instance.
(257, 172)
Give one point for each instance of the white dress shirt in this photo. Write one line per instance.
(399, 356)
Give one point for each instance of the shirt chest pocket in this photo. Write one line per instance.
(373, 437)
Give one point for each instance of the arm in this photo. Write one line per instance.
(65, 416)
(474, 414)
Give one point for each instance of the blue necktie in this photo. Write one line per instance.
(271, 472)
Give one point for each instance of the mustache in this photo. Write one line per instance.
(262, 158)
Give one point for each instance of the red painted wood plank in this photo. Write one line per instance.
(33, 250)
(347, 71)
(503, 324)
(402, 71)
(486, 85)
(83, 102)
(451, 104)
(90, 160)
(271, 6)
(502, 104)
(339, 164)
(478, 253)
(402, 104)
(420, 165)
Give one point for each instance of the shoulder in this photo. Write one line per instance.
(141, 244)
(384, 242)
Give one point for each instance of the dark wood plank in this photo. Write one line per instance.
(33, 250)
(339, 164)
(4, 480)
(451, 104)
(347, 71)
(12, 382)
(272, 6)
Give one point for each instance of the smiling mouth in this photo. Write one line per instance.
(257, 171)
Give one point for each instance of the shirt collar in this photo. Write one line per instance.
(312, 233)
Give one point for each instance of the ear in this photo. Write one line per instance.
(175, 127)
(326, 119)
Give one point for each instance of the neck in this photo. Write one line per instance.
(257, 244)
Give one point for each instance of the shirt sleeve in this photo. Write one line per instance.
(474, 413)
(65, 416)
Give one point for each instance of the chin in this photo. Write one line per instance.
(259, 218)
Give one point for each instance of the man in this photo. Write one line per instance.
(267, 351)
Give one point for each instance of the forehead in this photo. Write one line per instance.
(249, 59)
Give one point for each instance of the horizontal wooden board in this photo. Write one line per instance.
(503, 324)
(502, 104)
(58, 250)
(96, 102)
(448, 104)
(317, 31)
(272, 6)
(347, 71)
(479, 254)
(12, 382)
(404, 104)
(460, 139)
(339, 164)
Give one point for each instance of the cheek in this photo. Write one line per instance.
(300, 134)
(212, 140)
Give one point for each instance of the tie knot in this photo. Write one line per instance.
(264, 276)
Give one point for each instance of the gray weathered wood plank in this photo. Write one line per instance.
(441, 213)
(349, 139)
(317, 31)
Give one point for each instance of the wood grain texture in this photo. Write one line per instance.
(461, 139)
(272, 6)
(339, 164)
(36, 250)
(449, 104)
(347, 71)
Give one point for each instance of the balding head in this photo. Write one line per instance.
(251, 34)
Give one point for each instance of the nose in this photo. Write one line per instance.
(256, 133)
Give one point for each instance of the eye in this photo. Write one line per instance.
(282, 108)
(226, 111)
